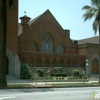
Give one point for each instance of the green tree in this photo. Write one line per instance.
(40, 72)
(76, 72)
(3, 29)
(25, 72)
(94, 11)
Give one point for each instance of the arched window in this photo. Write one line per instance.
(61, 63)
(80, 64)
(33, 47)
(47, 43)
(31, 62)
(39, 63)
(68, 63)
(60, 49)
(11, 3)
(74, 63)
(46, 63)
(54, 63)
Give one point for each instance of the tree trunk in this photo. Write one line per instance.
(3, 29)
(99, 51)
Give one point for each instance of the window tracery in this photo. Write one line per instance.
(47, 43)
(33, 47)
(60, 49)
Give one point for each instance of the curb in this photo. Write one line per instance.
(34, 87)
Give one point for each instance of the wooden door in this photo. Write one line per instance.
(95, 66)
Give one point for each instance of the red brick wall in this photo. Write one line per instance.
(12, 27)
(46, 24)
(89, 49)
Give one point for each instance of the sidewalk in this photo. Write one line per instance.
(13, 80)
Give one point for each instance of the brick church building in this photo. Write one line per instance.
(43, 43)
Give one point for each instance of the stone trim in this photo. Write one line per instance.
(11, 62)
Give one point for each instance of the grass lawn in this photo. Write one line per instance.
(19, 85)
(75, 84)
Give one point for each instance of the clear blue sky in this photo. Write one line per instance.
(67, 12)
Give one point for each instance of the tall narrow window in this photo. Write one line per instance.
(61, 63)
(46, 63)
(39, 63)
(54, 63)
(68, 63)
(74, 63)
(11, 3)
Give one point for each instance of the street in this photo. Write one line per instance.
(82, 93)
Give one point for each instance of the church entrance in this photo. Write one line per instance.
(94, 66)
(7, 65)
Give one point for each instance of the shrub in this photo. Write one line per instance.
(81, 75)
(76, 72)
(25, 72)
(40, 72)
(58, 74)
(50, 78)
(84, 77)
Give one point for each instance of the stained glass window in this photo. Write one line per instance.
(33, 47)
(60, 49)
(47, 43)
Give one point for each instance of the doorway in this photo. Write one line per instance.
(94, 66)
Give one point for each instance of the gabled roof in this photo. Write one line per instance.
(94, 40)
(32, 21)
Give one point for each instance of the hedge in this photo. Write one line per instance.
(59, 75)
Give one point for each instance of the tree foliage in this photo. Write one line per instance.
(3, 29)
(76, 72)
(25, 72)
(93, 11)
(40, 72)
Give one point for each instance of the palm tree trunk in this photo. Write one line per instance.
(99, 51)
(3, 28)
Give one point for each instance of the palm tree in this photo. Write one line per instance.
(3, 27)
(94, 11)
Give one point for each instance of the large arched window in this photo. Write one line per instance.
(47, 43)
(60, 49)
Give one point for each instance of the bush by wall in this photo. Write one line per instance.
(76, 72)
(25, 72)
(40, 72)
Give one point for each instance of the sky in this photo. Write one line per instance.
(68, 13)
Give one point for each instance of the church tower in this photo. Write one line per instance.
(12, 26)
